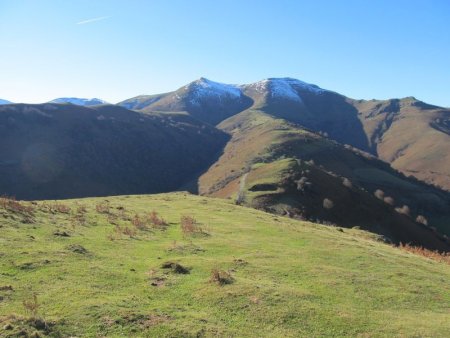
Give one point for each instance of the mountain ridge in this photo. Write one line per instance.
(79, 101)
(347, 120)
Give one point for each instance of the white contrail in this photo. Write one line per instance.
(92, 20)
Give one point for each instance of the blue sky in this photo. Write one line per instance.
(118, 49)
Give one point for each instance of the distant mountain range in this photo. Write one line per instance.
(79, 101)
(73, 100)
(279, 144)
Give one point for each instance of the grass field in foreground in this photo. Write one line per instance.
(287, 278)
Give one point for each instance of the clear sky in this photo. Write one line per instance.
(115, 49)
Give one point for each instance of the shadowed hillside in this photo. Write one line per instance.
(61, 151)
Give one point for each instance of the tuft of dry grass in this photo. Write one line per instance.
(156, 220)
(151, 220)
(25, 210)
(119, 231)
(10, 204)
(189, 226)
(55, 207)
(103, 207)
(79, 218)
(31, 305)
(435, 255)
(139, 223)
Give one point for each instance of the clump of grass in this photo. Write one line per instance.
(151, 220)
(31, 306)
(221, 277)
(435, 255)
(61, 208)
(122, 213)
(55, 208)
(139, 222)
(127, 231)
(81, 209)
(189, 226)
(80, 217)
(103, 207)
(189, 248)
(10, 204)
(119, 231)
(77, 248)
(112, 218)
(156, 220)
(20, 326)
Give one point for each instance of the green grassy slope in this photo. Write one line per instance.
(259, 139)
(291, 278)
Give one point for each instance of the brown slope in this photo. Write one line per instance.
(411, 135)
(61, 151)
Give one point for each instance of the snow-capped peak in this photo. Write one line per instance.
(287, 88)
(203, 87)
(79, 101)
(5, 102)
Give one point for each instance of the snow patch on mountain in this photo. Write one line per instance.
(286, 88)
(138, 102)
(5, 102)
(300, 85)
(204, 88)
(79, 101)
